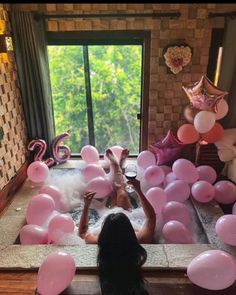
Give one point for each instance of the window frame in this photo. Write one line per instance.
(116, 37)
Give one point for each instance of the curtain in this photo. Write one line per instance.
(29, 37)
(227, 78)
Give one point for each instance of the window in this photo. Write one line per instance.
(98, 90)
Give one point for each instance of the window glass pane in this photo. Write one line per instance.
(115, 72)
(68, 91)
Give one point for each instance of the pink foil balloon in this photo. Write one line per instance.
(37, 172)
(154, 175)
(203, 191)
(61, 153)
(102, 186)
(226, 229)
(177, 190)
(60, 224)
(207, 173)
(185, 170)
(175, 232)
(225, 192)
(39, 209)
(55, 273)
(55, 193)
(89, 154)
(33, 234)
(146, 159)
(212, 270)
(92, 171)
(157, 198)
(176, 211)
(41, 145)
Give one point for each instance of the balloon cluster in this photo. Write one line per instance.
(207, 104)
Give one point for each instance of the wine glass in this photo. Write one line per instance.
(130, 173)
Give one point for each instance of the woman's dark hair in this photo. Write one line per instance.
(120, 258)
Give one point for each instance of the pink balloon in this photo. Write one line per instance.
(222, 109)
(176, 211)
(166, 169)
(39, 209)
(225, 192)
(89, 154)
(33, 234)
(207, 173)
(102, 186)
(226, 229)
(55, 273)
(37, 171)
(146, 159)
(212, 270)
(58, 225)
(204, 121)
(61, 153)
(92, 171)
(234, 209)
(154, 175)
(157, 198)
(175, 232)
(169, 178)
(54, 192)
(177, 190)
(203, 191)
(185, 170)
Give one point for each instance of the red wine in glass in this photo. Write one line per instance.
(130, 173)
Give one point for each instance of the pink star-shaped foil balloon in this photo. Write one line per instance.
(204, 95)
(168, 149)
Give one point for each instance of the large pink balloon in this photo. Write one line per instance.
(185, 170)
(204, 121)
(39, 209)
(203, 191)
(55, 193)
(37, 171)
(187, 134)
(102, 186)
(176, 211)
(157, 198)
(222, 109)
(89, 154)
(58, 225)
(33, 234)
(226, 229)
(207, 173)
(154, 175)
(55, 273)
(175, 232)
(177, 190)
(92, 171)
(146, 159)
(225, 192)
(212, 269)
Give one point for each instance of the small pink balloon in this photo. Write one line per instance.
(207, 173)
(31, 234)
(177, 190)
(226, 229)
(204, 121)
(37, 171)
(55, 273)
(222, 109)
(212, 270)
(175, 232)
(203, 191)
(92, 171)
(60, 224)
(166, 169)
(225, 192)
(176, 211)
(154, 175)
(234, 209)
(55, 193)
(89, 154)
(39, 209)
(101, 185)
(146, 159)
(185, 170)
(170, 177)
(157, 198)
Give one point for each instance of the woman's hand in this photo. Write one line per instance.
(88, 197)
(135, 183)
